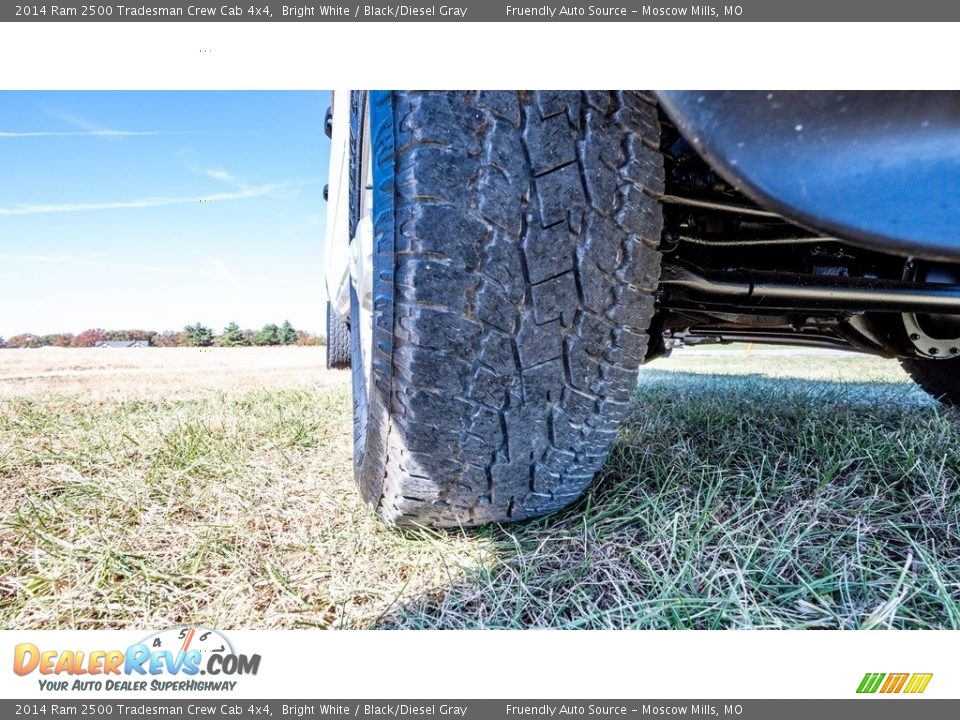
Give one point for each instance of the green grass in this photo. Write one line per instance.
(744, 492)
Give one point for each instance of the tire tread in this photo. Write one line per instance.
(526, 262)
(338, 341)
(938, 378)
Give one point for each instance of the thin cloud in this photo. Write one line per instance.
(68, 259)
(218, 269)
(221, 175)
(107, 132)
(77, 121)
(152, 202)
(86, 128)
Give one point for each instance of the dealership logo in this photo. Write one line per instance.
(168, 660)
(911, 683)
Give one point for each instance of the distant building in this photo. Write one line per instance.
(122, 344)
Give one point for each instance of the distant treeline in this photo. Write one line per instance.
(198, 335)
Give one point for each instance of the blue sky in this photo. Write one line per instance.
(101, 219)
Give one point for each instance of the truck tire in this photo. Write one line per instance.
(338, 341)
(939, 378)
(514, 267)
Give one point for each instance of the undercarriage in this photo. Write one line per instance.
(733, 271)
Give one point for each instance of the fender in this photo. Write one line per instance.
(878, 169)
(336, 246)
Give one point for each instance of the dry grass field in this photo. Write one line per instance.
(104, 373)
(145, 488)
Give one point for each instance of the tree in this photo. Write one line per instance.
(3, 343)
(89, 338)
(198, 335)
(306, 338)
(268, 335)
(129, 335)
(168, 338)
(231, 335)
(288, 336)
(60, 340)
(24, 340)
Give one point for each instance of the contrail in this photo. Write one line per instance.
(91, 133)
(151, 202)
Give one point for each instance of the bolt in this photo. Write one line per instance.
(954, 351)
(933, 351)
(914, 337)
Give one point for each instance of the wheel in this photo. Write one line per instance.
(505, 261)
(940, 378)
(338, 341)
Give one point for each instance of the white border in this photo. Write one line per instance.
(495, 55)
(316, 55)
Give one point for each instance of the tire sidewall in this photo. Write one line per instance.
(330, 339)
(371, 395)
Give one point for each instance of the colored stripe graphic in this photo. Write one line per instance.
(870, 682)
(918, 682)
(894, 683)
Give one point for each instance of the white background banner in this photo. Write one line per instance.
(536, 664)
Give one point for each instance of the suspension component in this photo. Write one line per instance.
(815, 293)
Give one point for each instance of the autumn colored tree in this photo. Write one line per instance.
(23, 340)
(306, 338)
(129, 335)
(168, 338)
(137, 334)
(59, 340)
(89, 338)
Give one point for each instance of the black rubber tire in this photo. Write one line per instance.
(338, 341)
(940, 378)
(515, 265)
